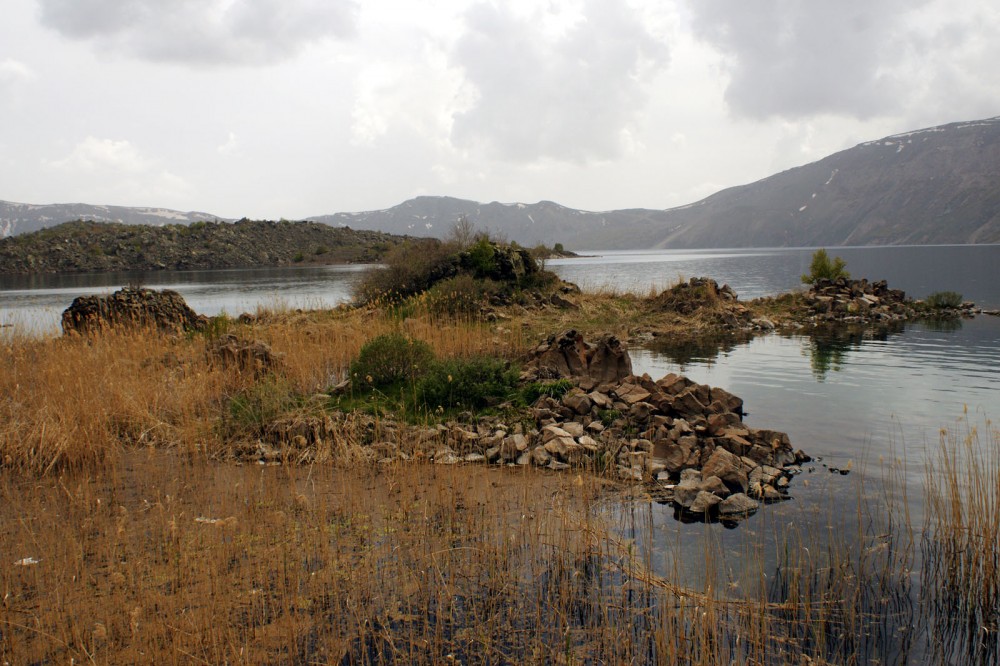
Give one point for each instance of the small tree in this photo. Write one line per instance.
(822, 268)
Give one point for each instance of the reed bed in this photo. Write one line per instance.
(961, 544)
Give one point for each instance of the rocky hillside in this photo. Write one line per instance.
(102, 246)
(934, 186)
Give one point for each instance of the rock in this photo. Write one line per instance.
(631, 394)
(573, 428)
(132, 308)
(610, 361)
(540, 457)
(244, 355)
(686, 491)
(728, 467)
(578, 401)
(704, 502)
(714, 485)
(561, 301)
(737, 505)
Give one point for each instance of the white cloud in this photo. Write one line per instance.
(107, 170)
(13, 70)
(556, 83)
(231, 145)
(203, 31)
(93, 154)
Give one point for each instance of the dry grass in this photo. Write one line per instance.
(75, 402)
(166, 556)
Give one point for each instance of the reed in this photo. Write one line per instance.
(961, 544)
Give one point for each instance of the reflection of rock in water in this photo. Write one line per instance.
(830, 345)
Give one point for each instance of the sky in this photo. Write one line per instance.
(294, 108)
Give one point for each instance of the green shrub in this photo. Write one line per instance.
(389, 359)
(299, 257)
(943, 299)
(822, 268)
(555, 389)
(482, 258)
(469, 383)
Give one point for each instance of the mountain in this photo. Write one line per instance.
(934, 186)
(528, 224)
(938, 185)
(19, 218)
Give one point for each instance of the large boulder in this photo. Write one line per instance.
(133, 308)
(568, 355)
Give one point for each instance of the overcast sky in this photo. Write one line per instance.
(291, 108)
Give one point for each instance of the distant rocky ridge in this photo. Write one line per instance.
(933, 186)
(96, 246)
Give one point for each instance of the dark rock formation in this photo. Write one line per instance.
(568, 355)
(131, 307)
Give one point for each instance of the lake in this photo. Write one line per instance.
(859, 401)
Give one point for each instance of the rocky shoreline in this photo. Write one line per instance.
(686, 443)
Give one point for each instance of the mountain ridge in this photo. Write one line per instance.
(937, 185)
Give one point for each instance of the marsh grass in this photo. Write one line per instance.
(961, 544)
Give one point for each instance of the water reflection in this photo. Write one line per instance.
(828, 347)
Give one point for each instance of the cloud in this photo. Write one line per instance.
(215, 32)
(93, 154)
(795, 58)
(14, 70)
(566, 84)
(110, 170)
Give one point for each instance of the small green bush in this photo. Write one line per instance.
(299, 257)
(469, 383)
(555, 389)
(943, 299)
(822, 268)
(389, 359)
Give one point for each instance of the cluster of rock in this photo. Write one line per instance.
(718, 306)
(686, 441)
(132, 307)
(860, 301)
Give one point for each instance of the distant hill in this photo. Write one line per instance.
(933, 186)
(84, 246)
